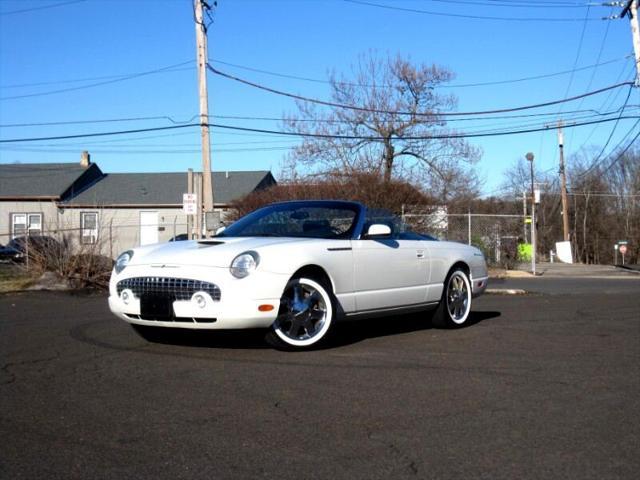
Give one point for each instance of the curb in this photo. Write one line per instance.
(505, 291)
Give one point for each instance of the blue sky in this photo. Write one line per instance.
(44, 50)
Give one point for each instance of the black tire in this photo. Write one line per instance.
(455, 304)
(307, 312)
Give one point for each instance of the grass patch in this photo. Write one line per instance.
(14, 278)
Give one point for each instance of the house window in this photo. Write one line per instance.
(21, 223)
(89, 227)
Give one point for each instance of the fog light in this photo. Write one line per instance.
(200, 300)
(125, 296)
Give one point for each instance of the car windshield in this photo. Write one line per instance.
(312, 220)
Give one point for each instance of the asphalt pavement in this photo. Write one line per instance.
(538, 386)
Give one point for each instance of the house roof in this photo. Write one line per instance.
(166, 188)
(40, 180)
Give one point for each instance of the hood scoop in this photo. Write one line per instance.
(209, 243)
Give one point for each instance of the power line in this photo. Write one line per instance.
(313, 135)
(454, 85)
(77, 80)
(575, 62)
(33, 9)
(171, 119)
(593, 72)
(475, 17)
(151, 152)
(610, 94)
(432, 114)
(615, 126)
(620, 155)
(167, 69)
(108, 120)
(501, 3)
(98, 134)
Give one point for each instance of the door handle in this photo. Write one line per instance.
(420, 254)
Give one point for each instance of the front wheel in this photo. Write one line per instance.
(305, 316)
(455, 305)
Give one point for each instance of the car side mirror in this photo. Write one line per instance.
(378, 230)
(220, 230)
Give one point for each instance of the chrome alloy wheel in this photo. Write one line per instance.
(458, 297)
(305, 313)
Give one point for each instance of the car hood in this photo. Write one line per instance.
(213, 252)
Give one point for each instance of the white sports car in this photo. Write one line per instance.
(295, 268)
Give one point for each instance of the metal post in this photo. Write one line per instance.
(469, 227)
(189, 191)
(26, 244)
(530, 157)
(111, 238)
(524, 215)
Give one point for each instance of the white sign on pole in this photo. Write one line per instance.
(189, 203)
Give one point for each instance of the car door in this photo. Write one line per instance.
(389, 272)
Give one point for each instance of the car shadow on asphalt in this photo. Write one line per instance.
(347, 333)
(232, 339)
(344, 333)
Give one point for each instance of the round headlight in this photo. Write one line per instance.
(244, 264)
(123, 260)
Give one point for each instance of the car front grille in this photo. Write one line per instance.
(174, 288)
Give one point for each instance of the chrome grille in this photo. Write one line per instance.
(175, 288)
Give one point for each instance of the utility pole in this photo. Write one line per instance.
(631, 9)
(201, 44)
(563, 185)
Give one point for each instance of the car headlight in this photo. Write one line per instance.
(244, 264)
(123, 260)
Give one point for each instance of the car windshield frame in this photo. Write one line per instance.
(236, 228)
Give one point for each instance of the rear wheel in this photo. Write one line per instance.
(455, 305)
(305, 316)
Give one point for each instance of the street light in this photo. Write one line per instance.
(529, 157)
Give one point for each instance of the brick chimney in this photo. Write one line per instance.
(85, 159)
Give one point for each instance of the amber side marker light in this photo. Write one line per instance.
(265, 308)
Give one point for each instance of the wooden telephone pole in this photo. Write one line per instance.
(563, 184)
(201, 44)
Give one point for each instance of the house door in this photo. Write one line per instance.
(148, 228)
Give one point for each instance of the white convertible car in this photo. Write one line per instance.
(295, 268)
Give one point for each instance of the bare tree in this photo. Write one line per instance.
(396, 102)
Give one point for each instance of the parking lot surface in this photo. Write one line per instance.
(539, 386)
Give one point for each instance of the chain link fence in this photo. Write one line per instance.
(497, 236)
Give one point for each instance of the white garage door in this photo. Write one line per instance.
(148, 228)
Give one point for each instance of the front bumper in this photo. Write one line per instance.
(236, 309)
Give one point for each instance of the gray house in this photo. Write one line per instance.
(115, 210)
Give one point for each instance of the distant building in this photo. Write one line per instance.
(128, 208)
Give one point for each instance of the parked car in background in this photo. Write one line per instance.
(295, 268)
(179, 238)
(18, 247)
